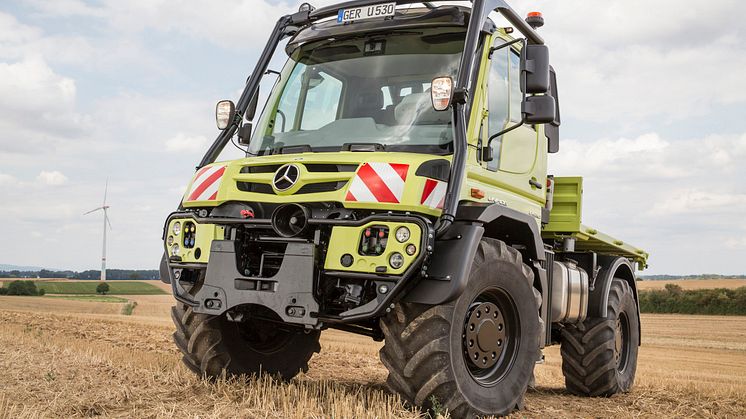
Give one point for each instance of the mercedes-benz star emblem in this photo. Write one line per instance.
(285, 177)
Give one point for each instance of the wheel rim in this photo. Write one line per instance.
(621, 342)
(491, 336)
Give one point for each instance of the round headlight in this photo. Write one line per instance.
(170, 240)
(402, 234)
(396, 260)
(175, 250)
(177, 228)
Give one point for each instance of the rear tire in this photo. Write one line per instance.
(495, 322)
(599, 355)
(213, 345)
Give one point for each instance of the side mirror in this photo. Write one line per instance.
(244, 133)
(539, 109)
(535, 69)
(224, 112)
(251, 110)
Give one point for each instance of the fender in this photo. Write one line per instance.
(164, 271)
(448, 267)
(611, 267)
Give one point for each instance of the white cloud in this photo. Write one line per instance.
(226, 23)
(683, 201)
(676, 198)
(650, 157)
(115, 89)
(12, 32)
(18, 41)
(7, 180)
(53, 178)
(32, 86)
(67, 8)
(623, 62)
(737, 243)
(38, 106)
(187, 143)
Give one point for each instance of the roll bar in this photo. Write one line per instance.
(290, 24)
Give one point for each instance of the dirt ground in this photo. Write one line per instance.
(77, 359)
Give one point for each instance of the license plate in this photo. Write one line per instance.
(366, 12)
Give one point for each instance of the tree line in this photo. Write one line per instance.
(674, 299)
(700, 276)
(111, 274)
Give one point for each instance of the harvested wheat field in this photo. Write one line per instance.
(693, 284)
(72, 364)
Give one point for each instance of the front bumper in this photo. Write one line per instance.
(218, 286)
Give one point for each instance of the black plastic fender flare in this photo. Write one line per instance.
(163, 270)
(449, 265)
(611, 267)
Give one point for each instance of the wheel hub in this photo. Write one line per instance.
(484, 336)
(621, 342)
(618, 342)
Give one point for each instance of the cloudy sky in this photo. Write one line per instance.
(651, 93)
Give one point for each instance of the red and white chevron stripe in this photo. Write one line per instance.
(206, 183)
(378, 182)
(434, 193)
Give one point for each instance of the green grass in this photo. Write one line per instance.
(91, 298)
(128, 308)
(89, 287)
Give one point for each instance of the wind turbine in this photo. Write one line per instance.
(103, 207)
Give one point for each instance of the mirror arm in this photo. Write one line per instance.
(507, 44)
(503, 132)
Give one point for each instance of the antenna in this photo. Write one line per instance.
(105, 209)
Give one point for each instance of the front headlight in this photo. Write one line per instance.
(177, 228)
(175, 250)
(402, 234)
(396, 260)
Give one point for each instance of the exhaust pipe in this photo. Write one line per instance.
(290, 220)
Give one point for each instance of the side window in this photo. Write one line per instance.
(322, 101)
(516, 95)
(499, 96)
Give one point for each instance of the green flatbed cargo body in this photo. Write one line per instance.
(565, 221)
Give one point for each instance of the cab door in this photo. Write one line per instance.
(518, 164)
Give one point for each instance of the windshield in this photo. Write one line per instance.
(368, 90)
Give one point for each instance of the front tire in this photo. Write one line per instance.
(475, 355)
(213, 346)
(599, 355)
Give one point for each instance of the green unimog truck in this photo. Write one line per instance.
(395, 185)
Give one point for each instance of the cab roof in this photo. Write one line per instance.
(410, 18)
